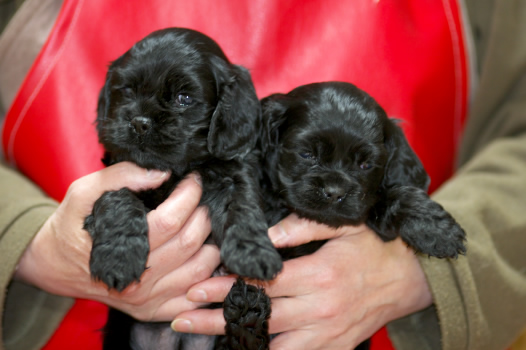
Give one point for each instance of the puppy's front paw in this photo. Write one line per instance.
(433, 231)
(246, 310)
(119, 231)
(421, 222)
(442, 238)
(253, 257)
(118, 265)
(451, 244)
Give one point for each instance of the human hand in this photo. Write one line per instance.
(332, 299)
(57, 260)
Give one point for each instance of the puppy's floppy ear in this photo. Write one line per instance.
(273, 108)
(403, 165)
(103, 105)
(237, 115)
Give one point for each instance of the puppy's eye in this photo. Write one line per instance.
(127, 91)
(366, 166)
(306, 155)
(184, 100)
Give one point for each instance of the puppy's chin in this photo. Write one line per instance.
(330, 218)
(349, 211)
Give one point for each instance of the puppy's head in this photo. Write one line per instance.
(330, 148)
(175, 99)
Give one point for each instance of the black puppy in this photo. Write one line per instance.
(331, 154)
(174, 102)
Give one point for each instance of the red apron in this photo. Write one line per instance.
(409, 55)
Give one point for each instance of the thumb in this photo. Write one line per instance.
(293, 231)
(115, 177)
(126, 174)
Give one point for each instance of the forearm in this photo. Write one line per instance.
(479, 298)
(23, 210)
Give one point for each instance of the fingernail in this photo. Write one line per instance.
(155, 174)
(197, 179)
(197, 295)
(181, 325)
(278, 233)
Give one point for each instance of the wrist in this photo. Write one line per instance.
(410, 292)
(20, 234)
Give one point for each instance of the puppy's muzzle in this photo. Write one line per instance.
(141, 125)
(333, 193)
(334, 188)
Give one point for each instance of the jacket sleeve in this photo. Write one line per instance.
(480, 298)
(29, 315)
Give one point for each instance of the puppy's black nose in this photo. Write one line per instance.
(333, 193)
(141, 125)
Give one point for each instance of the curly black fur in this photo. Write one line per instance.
(331, 154)
(174, 102)
(246, 310)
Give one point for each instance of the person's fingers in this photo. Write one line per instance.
(289, 314)
(289, 282)
(201, 321)
(188, 243)
(293, 231)
(170, 276)
(160, 296)
(211, 290)
(117, 176)
(86, 190)
(168, 311)
(172, 215)
(311, 337)
(292, 340)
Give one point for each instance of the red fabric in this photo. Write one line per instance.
(407, 54)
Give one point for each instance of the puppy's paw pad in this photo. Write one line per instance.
(119, 230)
(246, 310)
(443, 242)
(118, 266)
(430, 229)
(251, 259)
(449, 245)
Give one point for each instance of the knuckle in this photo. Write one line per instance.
(327, 278)
(328, 311)
(202, 272)
(135, 296)
(77, 189)
(189, 242)
(138, 300)
(169, 223)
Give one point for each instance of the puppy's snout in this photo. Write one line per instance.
(141, 125)
(333, 193)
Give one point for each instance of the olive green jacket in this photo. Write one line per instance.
(479, 299)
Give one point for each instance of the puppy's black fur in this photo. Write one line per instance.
(174, 102)
(331, 154)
